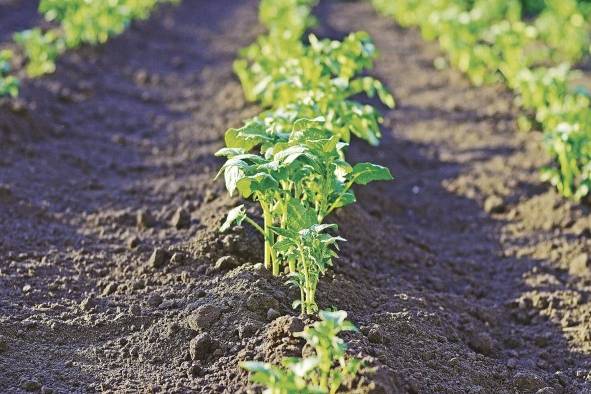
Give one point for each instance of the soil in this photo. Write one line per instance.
(466, 274)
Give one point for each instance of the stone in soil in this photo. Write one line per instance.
(247, 330)
(527, 382)
(201, 347)
(204, 317)
(494, 204)
(154, 300)
(181, 219)
(178, 258)
(260, 302)
(5, 192)
(87, 304)
(109, 289)
(158, 258)
(272, 314)
(375, 335)
(226, 263)
(133, 242)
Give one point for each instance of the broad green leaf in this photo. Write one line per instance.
(284, 232)
(247, 137)
(299, 216)
(283, 245)
(345, 199)
(260, 182)
(289, 155)
(363, 173)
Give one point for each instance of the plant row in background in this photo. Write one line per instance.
(74, 23)
(291, 160)
(530, 45)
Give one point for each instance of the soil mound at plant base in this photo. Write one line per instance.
(465, 274)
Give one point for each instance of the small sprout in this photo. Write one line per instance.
(328, 369)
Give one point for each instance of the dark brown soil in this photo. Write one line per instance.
(465, 274)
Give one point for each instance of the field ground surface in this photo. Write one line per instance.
(465, 274)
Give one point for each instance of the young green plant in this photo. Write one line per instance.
(324, 372)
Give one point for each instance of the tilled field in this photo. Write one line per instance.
(465, 274)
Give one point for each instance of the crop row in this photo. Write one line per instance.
(74, 23)
(530, 45)
(290, 159)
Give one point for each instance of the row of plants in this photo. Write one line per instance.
(73, 23)
(291, 160)
(531, 46)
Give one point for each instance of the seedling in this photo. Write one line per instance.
(327, 370)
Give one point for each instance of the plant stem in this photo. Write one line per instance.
(255, 225)
(267, 234)
(271, 261)
(322, 215)
(309, 299)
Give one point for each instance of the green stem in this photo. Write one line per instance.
(309, 296)
(303, 301)
(271, 261)
(322, 215)
(255, 225)
(567, 175)
(267, 234)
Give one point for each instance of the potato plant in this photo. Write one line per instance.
(9, 84)
(529, 45)
(77, 22)
(327, 370)
(298, 181)
(291, 158)
(296, 80)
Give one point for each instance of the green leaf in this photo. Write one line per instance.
(261, 182)
(345, 199)
(291, 154)
(232, 176)
(337, 317)
(284, 232)
(299, 216)
(283, 245)
(229, 152)
(305, 123)
(247, 137)
(363, 173)
(303, 367)
(235, 215)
